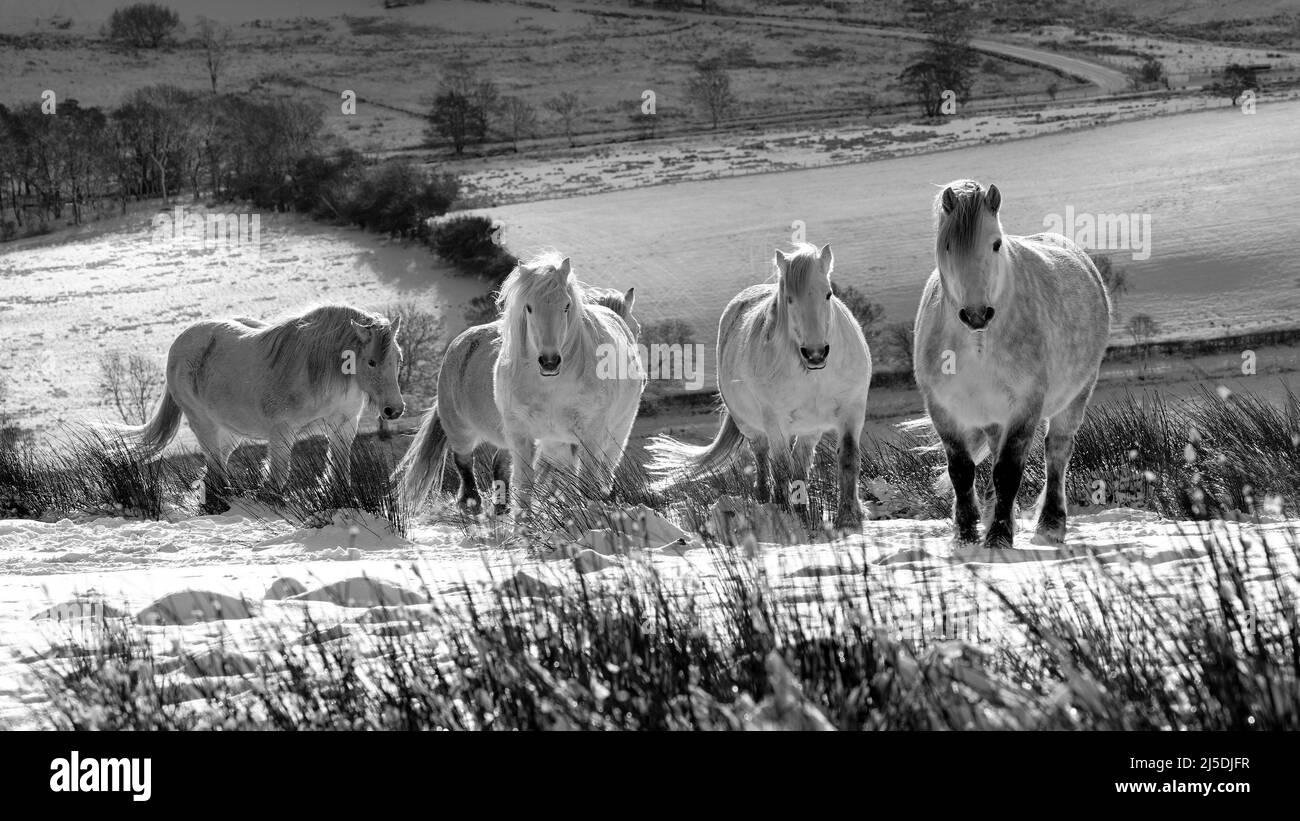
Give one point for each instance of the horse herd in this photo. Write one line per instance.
(1010, 331)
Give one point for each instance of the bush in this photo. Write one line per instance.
(469, 243)
(398, 198)
(143, 25)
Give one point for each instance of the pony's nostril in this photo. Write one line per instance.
(975, 318)
(804, 352)
(826, 351)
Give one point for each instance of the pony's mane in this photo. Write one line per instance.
(315, 339)
(959, 230)
(531, 278)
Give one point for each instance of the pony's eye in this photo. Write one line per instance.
(372, 363)
(947, 246)
(997, 245)
(790, 300)
(828, 294)
(566, 306)
(530, 308)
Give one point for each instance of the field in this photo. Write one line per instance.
(1220, 228)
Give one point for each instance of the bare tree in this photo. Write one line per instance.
(215, 40)
(1115, 277)
(131, 383)
(520, 116)
(420, 338)
(1143, 329)
(462, 111)
(567, 107)
(710, 88)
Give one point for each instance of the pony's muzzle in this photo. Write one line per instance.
(815, 358)
(550, 363)
(976, 317)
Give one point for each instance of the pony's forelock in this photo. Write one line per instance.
(958, 231)
(804, 264)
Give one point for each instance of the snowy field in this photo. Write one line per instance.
(213, 594)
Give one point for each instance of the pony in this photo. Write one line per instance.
(561, 407)
(464, 414)
(793, 365)
(237, 379)
(1010, 331)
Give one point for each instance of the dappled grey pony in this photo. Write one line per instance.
(238, 379)
(792, 366)
(465, 416)
(1010, 331)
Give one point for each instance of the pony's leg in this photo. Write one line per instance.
(848, 512)
(758, 445)
(467, 498)
(342, 433)
(1008, 470)
(522, 470)
(217, 446)
(553, 458)
(961, 472)
(801, 458)
(279, 449)
(501, 474)
(762, 467)
(1057, 450)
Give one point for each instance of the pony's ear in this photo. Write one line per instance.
(565, 268)
(949, 200)
(364, 332)
(782, 261)
(629, 299)
(827, 259)
(397, 323)
(993, 198)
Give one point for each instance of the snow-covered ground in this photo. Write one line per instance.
(213, 590)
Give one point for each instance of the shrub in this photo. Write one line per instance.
(469, 243)
(398, 199)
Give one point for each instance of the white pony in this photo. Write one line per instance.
(1011, 330)
(792, 366)
(239, 379)
(558, 409)
(465, 416)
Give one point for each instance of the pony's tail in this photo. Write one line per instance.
(161, 428)
(671, 459)
(924, 430)
(420, 469)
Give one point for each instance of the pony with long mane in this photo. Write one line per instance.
(239, 379)
(558, 409)
(793, 365)
(464, 414)
(1010, 331)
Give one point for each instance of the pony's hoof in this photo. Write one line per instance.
(999, 536)
(1050, 533)
(213, 507)
(470, 504)
(850, 519)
